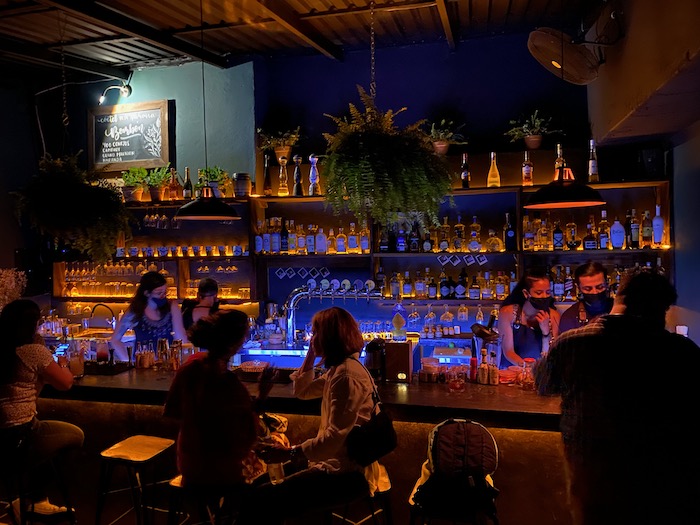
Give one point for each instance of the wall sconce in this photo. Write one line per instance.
(124, 91)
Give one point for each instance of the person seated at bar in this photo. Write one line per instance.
(527, 319)
(627, 412)
(25, 367)
(594, 297)
(218, 423)
(207, 302)
(151, 315)
(330, 477)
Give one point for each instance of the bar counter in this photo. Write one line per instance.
(507, 406)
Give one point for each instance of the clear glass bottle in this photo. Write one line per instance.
(353, 245)
(528, 234)
(462, 313)
(266, 236)
(501, 286)
(528, 170)
(314, 186)
(487, 287)
(447, 318)
(321, 242)
(331, 248)
(395, 286)
(414, 319)
(267, 179)
(341, 241)
(570, 235)
(430, 318)
(407, 285)
(493, 180)
(311, 239)
(419, 286)
(445, 229)
(493, 243)
(479, 317)
(544, 236)
(283, 190)
(603, 231)
(458, 240)
(301, 240)
(647, 230)
(559, 165)
(364, 237)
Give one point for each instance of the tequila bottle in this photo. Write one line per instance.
(444, 245)
(493, 243)
(353, 240)
(458, 239)
(364, 237)
(341, 241)
(298, 187)
(301, 240)
(314, 186)
(283, 190)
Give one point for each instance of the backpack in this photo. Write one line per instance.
(462, 456)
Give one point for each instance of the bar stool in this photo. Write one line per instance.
(134, 453)
(370, 507)
(213, 506)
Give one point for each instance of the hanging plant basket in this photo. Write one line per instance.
(375, 169)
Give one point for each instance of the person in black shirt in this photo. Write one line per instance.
(207, 302)
(594, 297)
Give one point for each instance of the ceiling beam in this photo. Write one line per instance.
(290, 20)
(446, 25)
(22, 8)
(119, 23)
(38, 55)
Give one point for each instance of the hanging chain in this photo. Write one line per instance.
(64, 116)
(372, 46)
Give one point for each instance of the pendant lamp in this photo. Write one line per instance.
(564, 194)
(206, 207)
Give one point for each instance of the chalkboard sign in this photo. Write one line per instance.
(129, 135)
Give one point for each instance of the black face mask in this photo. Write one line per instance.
(540, 303)
(597, 303)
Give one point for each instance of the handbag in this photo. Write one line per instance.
(376, 437)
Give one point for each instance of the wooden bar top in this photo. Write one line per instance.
(507, 406)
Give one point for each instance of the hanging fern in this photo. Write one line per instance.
(375, 169)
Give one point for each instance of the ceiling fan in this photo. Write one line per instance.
(571, 58)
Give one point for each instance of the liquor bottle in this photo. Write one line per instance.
(431, 284)
(311, 240)
(558, 283)
(321, 242)
(330, 242)
(462, 313)
(569, 294)
(617, 234)
(364, 237)
(589, 240)
(628, 229)
(284, 238)
(258, 241)
(444, 285)
(380, 279)
(603, 231)
(447, 318)
(634, 230)
(493, 180)
(429, 321)
(528, 234)
(419, 286)
(341, 241)
(462, 284)
(267, 180)
(559, 165)
(458, 238)
(494, 378)
(298, 190)
(544, 236)
(474, 291)
(501, 286)
(266, 236)
(465, 175)
(647, 230)
(528, 170)
(475, 230)
(482, 375)
(513, 282)
(557, 237)
(353, 240)
(510, 239)
(452, 285)
(283, 189)
(187, 188)
(487, 287)
(479, 317)
(301, 240)
(401, 242)
(535, 225)
(407, 286)
(384, 240)
(291, 237)
(174, 187)
(657, 226)
(659, 267)
(395, 286)
(314, 186)
(275, 236)
(414, 239)
(570, 235)
(445, 229)
(493, 243)
(592, 162)
(427, 246)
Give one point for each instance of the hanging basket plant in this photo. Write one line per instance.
(375, 169)
(67, 203)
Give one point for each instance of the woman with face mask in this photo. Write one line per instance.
(151, 315)
(527, 319)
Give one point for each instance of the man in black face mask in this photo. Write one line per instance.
(594, 297)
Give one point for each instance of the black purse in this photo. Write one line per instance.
(375, 438)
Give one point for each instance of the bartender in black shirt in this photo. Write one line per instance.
(594, 297)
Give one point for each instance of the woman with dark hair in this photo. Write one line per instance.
(215, 411)
(346, 391)
(527, 319)
(207, 302)
(25, 367)
(151, 314)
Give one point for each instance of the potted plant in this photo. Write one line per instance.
(443, 134)
(134, 183)
(375, 169)
(281, 141)
(531, 129)
(217, 178)
(157, 180)
(74, 206)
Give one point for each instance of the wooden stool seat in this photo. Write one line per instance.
(134, 453)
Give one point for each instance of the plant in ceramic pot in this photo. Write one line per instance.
(375, 169)
(442, 134)
(134, 183)
(76, 207)
(217, 178)
(281, 141)
(157, 180)
(531, 130)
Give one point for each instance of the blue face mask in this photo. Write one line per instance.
(160, 302)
